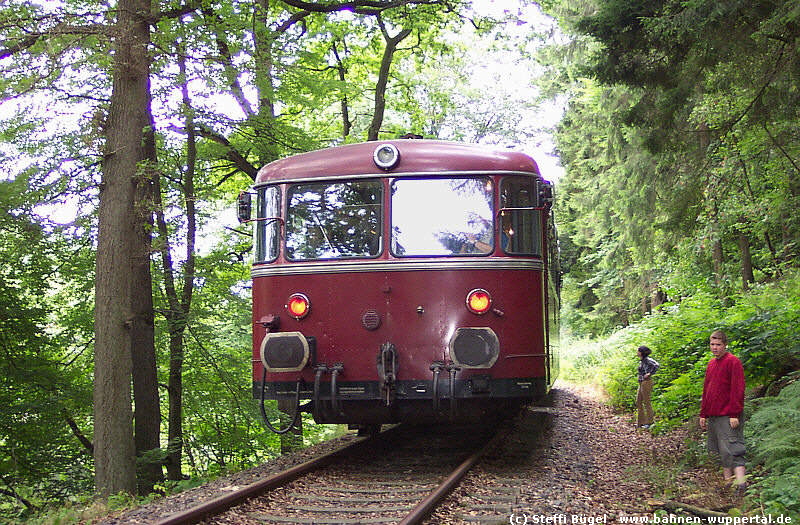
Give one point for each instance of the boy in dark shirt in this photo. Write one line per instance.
(721, 409)
(647, 367)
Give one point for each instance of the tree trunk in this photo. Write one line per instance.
(291, 441)
(383, 79)
(717, 255)
(659, 298)
(265, 62)
(717, 258)
(179, 305)
(146, 401)
(175, 418)
(747, 261)
(342, 71)
(121, 318)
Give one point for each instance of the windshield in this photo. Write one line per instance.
(334, 219)
(429, 217)
(442, 216)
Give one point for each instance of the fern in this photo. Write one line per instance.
(775, 429)
(773, 434)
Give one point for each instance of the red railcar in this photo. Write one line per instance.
(405, 280)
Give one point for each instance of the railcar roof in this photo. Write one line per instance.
(416, 156)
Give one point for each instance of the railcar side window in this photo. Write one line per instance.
(442, 216)
(334, 219)
(268, 226)
(521, 225)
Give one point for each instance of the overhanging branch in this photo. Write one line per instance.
(358, 6)
(233, 155)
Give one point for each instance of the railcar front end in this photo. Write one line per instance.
(408, 280)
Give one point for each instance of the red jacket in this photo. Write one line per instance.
(723, 388)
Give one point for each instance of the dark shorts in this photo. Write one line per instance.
(726, 441)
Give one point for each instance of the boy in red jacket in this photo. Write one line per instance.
(721, 409)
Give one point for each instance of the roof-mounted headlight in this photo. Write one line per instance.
(386, 156)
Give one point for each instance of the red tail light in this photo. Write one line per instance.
(298, 306)
(479, 301)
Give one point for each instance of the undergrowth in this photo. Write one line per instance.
(762, 329)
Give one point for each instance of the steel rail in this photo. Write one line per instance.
(222, 503)
(426, 506)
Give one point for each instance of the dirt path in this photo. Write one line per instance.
(574, 461)
(589, 465)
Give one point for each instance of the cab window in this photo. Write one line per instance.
(268, 224)
(520, 223)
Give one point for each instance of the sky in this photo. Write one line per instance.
(522, 71)
(509, 68)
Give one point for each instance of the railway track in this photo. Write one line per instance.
(398, 476)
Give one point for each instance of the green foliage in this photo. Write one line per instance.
(681, 169)
(679, 339)
(765, 325)
(761, 327)
(773, 435)
(583, 361)
(43, 386)
(762, 331)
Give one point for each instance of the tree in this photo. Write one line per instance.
(691, 113)
(123, 297)
(300, 75)
(123, 313)
(179, 300)
(383, 76)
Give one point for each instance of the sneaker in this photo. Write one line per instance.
(646, 427)
(741, 490)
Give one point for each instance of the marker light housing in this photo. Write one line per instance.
(298, 306)
(479, 301)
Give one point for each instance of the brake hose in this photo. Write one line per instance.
(296, 415)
